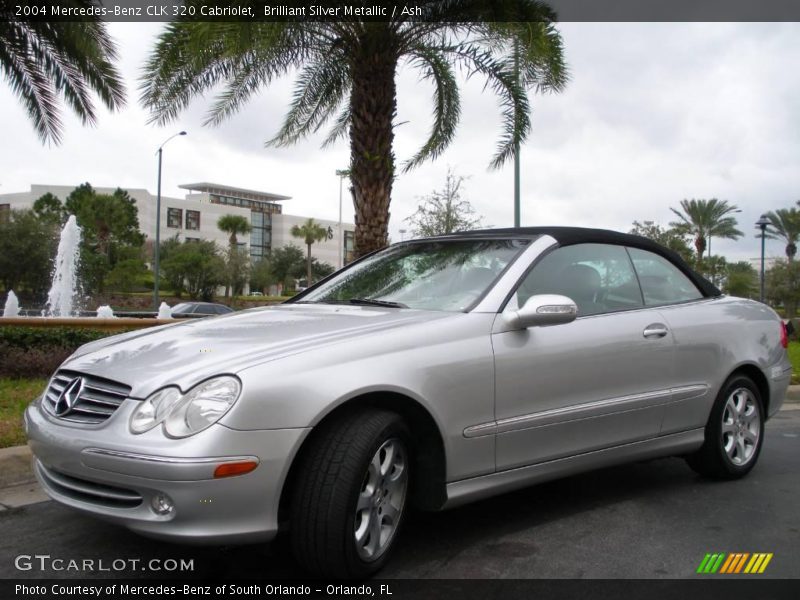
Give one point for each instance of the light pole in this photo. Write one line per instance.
(341, 173)
(762, 224)
(156, 270)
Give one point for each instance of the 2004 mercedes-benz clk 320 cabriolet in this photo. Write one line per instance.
(431, 373)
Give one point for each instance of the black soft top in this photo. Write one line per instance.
(568, 236)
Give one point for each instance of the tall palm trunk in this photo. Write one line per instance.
(700, 246)
(308, 266)
(373, 103)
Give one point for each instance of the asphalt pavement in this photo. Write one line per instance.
(654, 519)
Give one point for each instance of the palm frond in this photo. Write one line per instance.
(319, 91)
(340, 127)
(447, 103)
(45, 60)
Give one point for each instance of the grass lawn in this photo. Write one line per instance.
(15, 395)
(794, 356)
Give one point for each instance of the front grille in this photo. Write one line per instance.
(89, 491)
(97, 401)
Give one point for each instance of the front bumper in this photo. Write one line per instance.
(112, 474)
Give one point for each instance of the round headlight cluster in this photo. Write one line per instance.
(186, 414)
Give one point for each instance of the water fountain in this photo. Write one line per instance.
(61, 308)
(164, 311)
(105, 312)
(12, 305)
(61, 298)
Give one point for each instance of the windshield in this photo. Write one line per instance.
(437, 275)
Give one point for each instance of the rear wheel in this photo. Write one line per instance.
(351, 495)
(734, 432)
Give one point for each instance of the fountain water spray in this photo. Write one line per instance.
(61, 298)
(105, 312)
(164, 311)
(12, 305)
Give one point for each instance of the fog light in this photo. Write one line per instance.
(162, 504)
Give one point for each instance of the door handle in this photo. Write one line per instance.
(655, 330)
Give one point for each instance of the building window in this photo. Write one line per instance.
(192, 240)
(174, 218)
(192, 219)
(349, 246)
(5, 213)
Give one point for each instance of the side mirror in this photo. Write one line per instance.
(543, 309)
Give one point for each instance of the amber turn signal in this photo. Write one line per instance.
(234, 468)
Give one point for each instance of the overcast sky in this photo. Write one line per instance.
(654, 113)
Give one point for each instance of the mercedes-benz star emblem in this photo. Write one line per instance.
(69, 397)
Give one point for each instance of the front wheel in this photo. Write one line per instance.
(734, 433)
(351, 495)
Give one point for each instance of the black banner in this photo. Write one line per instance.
(436, 589)
(411, 10)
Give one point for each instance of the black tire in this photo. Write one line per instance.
(713, 459)
(333, 477)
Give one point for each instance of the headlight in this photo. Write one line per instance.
(186, 414)
(154, 410)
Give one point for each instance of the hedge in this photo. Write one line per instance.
(38, 351)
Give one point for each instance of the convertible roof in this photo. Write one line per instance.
(567, 236)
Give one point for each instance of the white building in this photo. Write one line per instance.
(195, 217)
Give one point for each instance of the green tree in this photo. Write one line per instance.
(287, 263)
(234, 225)
(238, 263)
(320, 270)
(310, 232)
(741, 280)
(50, 208)
(670, 238)
(784, 225)
(197, 266)
(43, 61)
(347, 70)
(444, 211)
(262, 276)
(704, 219)
(783, 286)
(27, 247)
(110, 225)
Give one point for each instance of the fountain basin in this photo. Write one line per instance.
(115, 324)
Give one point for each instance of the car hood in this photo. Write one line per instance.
(185, 353)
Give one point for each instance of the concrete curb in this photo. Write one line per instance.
(18, 484)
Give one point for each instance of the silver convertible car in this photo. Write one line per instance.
(429, 374)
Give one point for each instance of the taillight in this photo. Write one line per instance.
(784, 335)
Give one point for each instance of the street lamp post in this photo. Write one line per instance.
(341, 173)
(156, 270)
(762, 224)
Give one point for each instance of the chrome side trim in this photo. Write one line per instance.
(477, 488)
(164, 468)
(585, 411)
(175, 460)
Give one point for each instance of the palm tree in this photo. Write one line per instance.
(347, 72)
(705, 219)
(234, 225)
(784, 224)
(43, 60)
(309, 232)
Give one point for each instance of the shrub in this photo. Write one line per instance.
(38, 351)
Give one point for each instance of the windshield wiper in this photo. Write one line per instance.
(373, 302)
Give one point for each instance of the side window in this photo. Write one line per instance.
(599, 278)
(661, 281)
